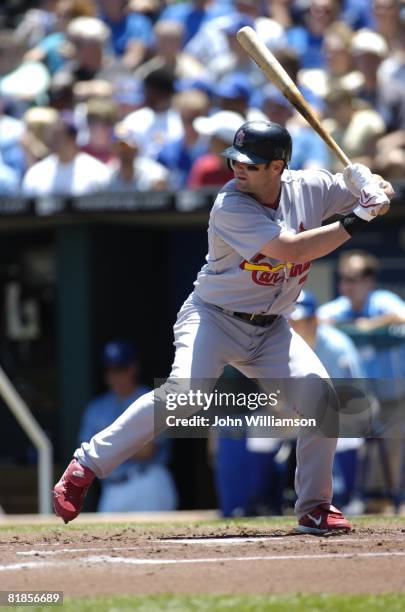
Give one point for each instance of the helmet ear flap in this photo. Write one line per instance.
(231, 164)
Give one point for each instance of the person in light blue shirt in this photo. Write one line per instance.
(142, 483)
(369, 309)
(368, 313)
(9, 183)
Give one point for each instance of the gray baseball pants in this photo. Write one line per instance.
(207, 339)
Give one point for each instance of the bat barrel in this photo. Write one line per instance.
(274, 71)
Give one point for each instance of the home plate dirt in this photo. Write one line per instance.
(201, 559)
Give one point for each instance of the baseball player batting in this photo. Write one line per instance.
(264, 230)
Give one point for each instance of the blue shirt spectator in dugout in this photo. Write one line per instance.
(334, 348)
(368, 310)
(341, 360)
(142, 483)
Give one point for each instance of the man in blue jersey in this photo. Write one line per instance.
(369, 310)
(342, 360)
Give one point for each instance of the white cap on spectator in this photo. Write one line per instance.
(88, 28)
(367, 41)
(222, 125)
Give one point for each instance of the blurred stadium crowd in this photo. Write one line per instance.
(143, 94)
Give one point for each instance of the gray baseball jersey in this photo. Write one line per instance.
(237, 276)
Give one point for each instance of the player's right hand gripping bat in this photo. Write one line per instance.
(274, 71)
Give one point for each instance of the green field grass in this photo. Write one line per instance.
(237, 603)
(233, 526)
(276, 522)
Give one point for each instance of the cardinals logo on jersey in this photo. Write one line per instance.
(264, 273)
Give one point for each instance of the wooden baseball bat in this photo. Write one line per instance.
(274, 71)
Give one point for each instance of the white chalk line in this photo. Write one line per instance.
(273, 540)
(32, 553)
(132, 561)
(210, 542)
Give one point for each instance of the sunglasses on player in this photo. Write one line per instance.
(249, 167)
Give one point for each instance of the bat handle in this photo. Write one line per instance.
(343, 158)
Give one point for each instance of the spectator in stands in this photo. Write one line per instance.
(338, 70)
(142, 483)
(369, 49)
(157, 122)
(281, 11)
(309, 150)
(216, 40)
(168, 53)
(89, 37)
(270, 30)
(22, 82)
(66, 171)
(357, 14)
(275, 106)
(387, 19)
(390, 155)
(391, 78)
(131, 33)
(233, 94)
(150, 8)
(11, 131)
(9, 183)
(289, 59)
(232, 57)
(60, 92)
(39, 122)
(354, 128)
(54, 50)
(37, 23)
(83, 91)
(368, 309)
(212, 169)
(337, 50)
(179, 154)
(128, 96)
(307, 39)
(341, 360)
(132, 171)
(101, 116)
(193, 15)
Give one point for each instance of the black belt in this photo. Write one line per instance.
(259, 320)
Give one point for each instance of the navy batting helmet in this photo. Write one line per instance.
(259, 142)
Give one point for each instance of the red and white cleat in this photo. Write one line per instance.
(70, 491)
(323, 519)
